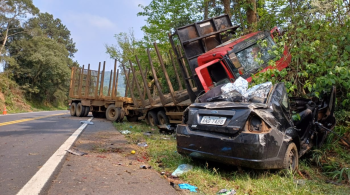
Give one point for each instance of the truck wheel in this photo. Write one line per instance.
(162, 118)
(112, 113)
(133, 118)
(73, 108)
(291, 158)
(80, 111)
(87, 110)
(152, 118)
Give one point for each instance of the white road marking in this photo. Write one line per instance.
(39, 181)
(31, 112)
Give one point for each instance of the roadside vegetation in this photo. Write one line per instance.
(211, 177)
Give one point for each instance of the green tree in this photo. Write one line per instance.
(41, 68)
(11, 12)
(45, 24)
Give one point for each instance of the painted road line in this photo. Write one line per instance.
(31, 112)
(28, 119)
(41, 179)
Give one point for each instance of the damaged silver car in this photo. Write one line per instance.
(256, 129)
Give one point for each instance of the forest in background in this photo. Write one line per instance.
(37, 52)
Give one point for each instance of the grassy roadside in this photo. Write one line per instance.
(211, 177)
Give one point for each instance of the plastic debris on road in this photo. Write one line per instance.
(76, 152)
(226, 192)
(181, 169)
(125, 132)
(142, 144)
(133, 152)
(148, 133)
(87, 122)
(186, 186)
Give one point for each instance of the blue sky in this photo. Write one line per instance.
(93, 24)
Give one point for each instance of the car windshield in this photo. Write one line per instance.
(247, 57)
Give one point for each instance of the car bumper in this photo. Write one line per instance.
(257, 151)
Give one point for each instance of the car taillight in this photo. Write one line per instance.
(255, 124)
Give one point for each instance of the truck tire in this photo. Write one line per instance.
(152, 118)
(87, 110)
(73, 108)
(80, 111)
(112, 113)
(162, 118)
(291, 158)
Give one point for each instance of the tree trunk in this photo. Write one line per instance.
(237, 10)
(227, 8)
(4, 42)
(251, 15)
(206, 9)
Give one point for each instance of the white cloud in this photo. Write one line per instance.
(89, 20)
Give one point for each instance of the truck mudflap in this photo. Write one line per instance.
(258, 151)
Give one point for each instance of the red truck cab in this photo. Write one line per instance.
(237, 57)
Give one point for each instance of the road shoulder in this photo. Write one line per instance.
(108, 168)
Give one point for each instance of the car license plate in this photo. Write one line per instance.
(213, 120)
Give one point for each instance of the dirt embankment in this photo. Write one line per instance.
(12, 97)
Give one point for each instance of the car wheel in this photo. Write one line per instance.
(291, 158)
(112, 113)
(162, 118)
(87, 110)
(152, 118)
(80, 111)
(73, 108)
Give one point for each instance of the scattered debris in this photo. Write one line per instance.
(125, 132)
(162, 173)
(186, 186)
(182, 169)
(133, 152)
(226, 192)
(145, 167)
(99, 156)
(300, 182)
(142, 144)
(148, 133)
(86, 122)
(76, 152)
(33, 154)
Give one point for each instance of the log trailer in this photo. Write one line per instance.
(206, 48)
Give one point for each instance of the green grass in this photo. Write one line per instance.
(211, 177)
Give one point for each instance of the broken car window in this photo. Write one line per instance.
(248, 56)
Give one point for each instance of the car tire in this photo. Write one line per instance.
(152, 118)
(80, 110)
(112, 113)
(291, 157)
(162, 118)
(73, 108)
(87, 110)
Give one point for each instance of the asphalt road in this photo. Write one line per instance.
(27, 141)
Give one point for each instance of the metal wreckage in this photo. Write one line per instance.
(254, 127)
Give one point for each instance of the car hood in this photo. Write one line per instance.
(227, 105)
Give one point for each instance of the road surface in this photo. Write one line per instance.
(27, 141)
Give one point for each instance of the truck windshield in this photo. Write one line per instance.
(248, 56)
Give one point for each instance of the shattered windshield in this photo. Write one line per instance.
(248, 56)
